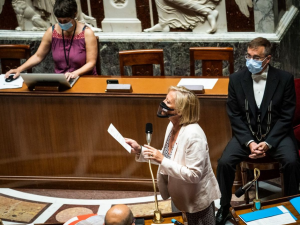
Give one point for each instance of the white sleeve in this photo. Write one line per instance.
(195, 159)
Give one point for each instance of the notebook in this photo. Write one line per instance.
(31, 79)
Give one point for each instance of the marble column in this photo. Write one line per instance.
(264, 16)
(120, 16)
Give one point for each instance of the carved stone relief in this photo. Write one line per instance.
(28, 18)
(38, 15)
(119, 3)
(185, 14)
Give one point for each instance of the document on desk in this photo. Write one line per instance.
(119, 138)
(18, 83)
(208, 83)
(285, 218)
(273, 216)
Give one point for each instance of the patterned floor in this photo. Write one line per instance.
(53, 206)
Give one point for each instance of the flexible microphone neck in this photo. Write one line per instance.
(243, 189)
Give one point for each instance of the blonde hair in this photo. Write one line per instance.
(186, 105)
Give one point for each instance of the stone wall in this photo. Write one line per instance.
(290, 47)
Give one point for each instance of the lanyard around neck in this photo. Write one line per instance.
(67, 59)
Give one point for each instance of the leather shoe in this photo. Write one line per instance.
(223, 215)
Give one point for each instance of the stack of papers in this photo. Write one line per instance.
(18, 83)
(271, 216)
(208, 83)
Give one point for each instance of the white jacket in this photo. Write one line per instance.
(187, 177)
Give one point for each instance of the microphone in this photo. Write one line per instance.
(149, 131)
(176, 222)
(243, 189)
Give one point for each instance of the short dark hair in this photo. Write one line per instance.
(260, 41)
(65, 8)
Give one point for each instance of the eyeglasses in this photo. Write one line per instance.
(255, 58)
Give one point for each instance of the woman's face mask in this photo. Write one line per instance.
(66, 26)
(164, 111)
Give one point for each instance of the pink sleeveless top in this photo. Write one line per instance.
(77, 56)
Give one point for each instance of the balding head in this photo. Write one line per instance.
(119, 215)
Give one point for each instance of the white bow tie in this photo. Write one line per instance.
(259, 77)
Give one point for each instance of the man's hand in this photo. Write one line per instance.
(262, 146)
(255, 151)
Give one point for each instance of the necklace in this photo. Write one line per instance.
(67, 59)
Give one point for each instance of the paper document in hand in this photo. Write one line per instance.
(119, 138)
(208, 83)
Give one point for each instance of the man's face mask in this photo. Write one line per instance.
(255, 66)
(164, 111)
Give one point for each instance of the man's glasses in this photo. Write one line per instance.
(255, 58)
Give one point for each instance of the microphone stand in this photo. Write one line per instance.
(256, 205)
(157, 213)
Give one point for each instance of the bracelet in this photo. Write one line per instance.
(141, 148)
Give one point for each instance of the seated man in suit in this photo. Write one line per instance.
(119, 215)
(261, 104)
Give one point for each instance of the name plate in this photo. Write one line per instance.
(197, 89)
(125, 88)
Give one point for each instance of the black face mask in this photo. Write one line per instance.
(164, 111)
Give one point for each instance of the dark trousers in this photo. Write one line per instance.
(234, 153)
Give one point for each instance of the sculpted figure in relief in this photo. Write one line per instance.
(25, 12)
(40, 13)
(185, 14)
(47, 5)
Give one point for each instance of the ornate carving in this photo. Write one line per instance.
(25, 13)
(212, 71)
(38, 15)
(118, 3)
(185, 14)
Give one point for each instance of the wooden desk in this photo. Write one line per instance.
(236, 211)
(60, 140)
(167, 218)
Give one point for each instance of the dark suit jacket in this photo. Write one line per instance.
(279, 89)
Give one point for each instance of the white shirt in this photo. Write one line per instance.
(259, 88)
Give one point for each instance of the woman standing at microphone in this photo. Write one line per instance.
(184, 172)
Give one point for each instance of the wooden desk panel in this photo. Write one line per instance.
(60, 139)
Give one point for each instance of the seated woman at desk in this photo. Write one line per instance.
(73, 45)
(184, 173)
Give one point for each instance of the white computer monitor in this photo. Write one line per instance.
(32, 79)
